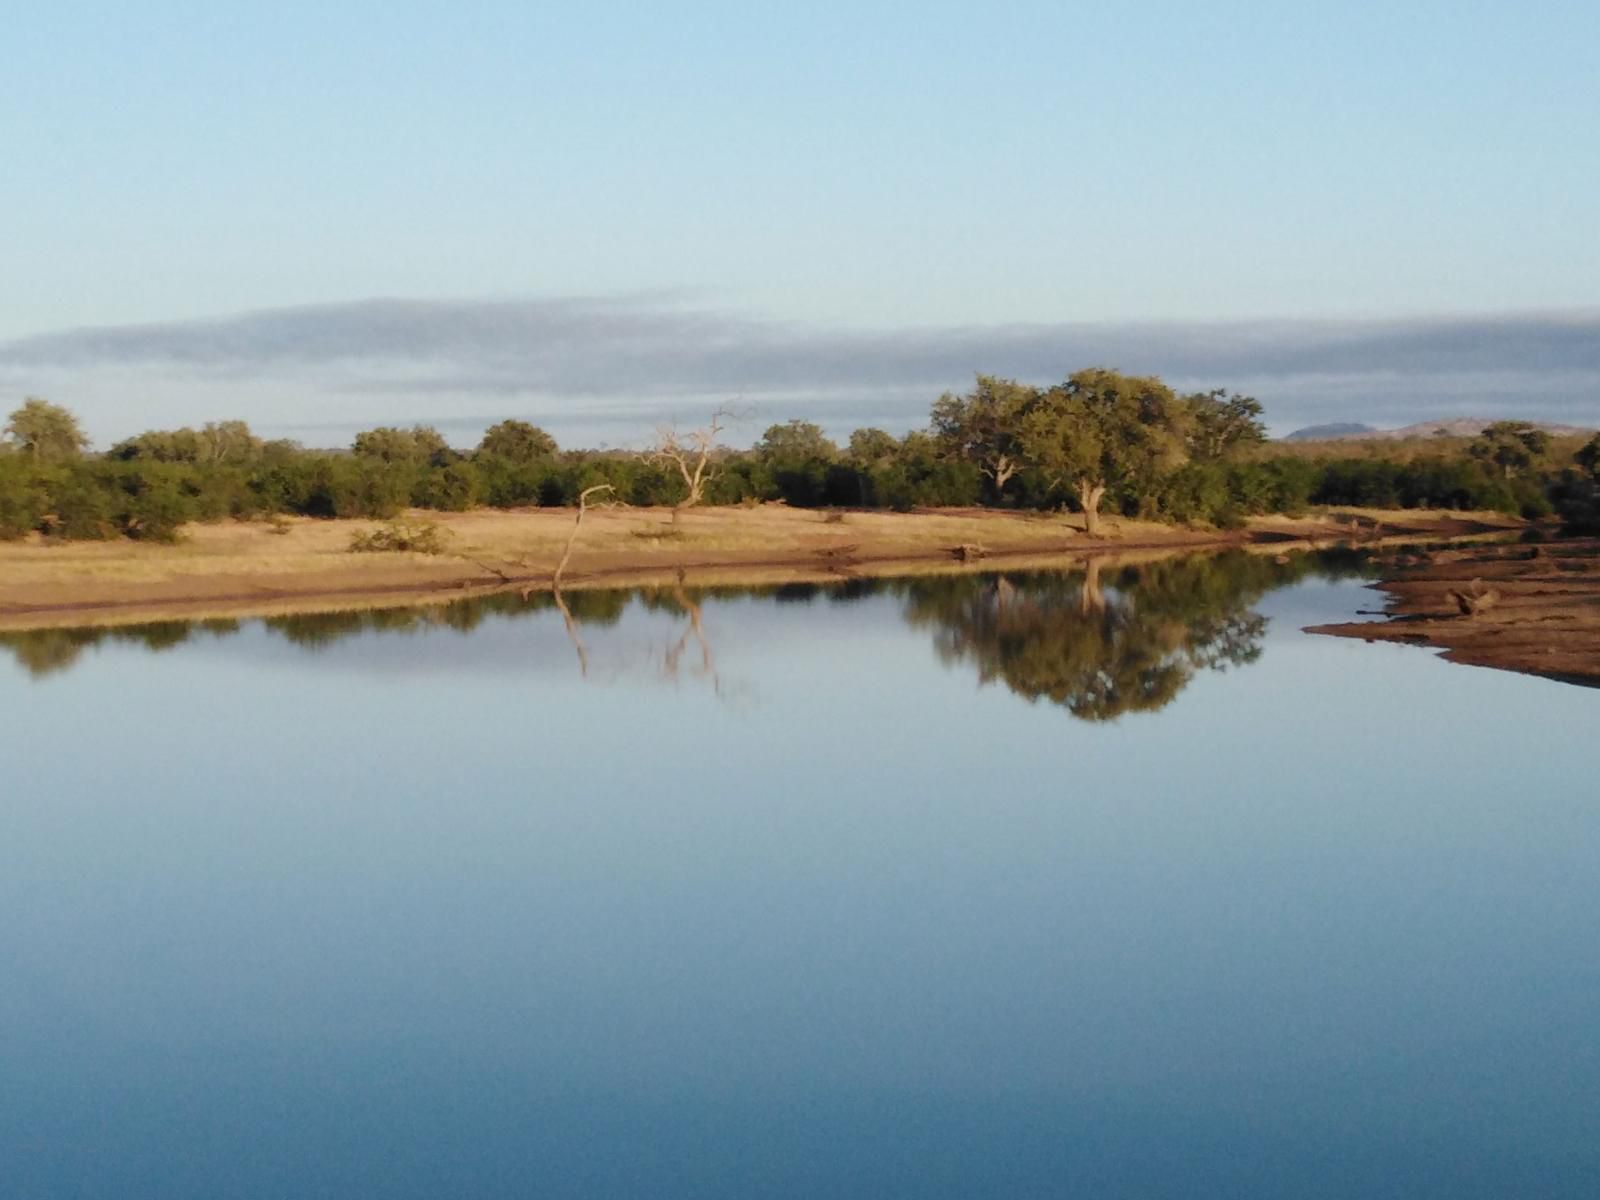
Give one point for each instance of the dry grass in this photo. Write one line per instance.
(256, 562)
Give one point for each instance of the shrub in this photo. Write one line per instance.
(400, 536)
(452, 488)
(22, 499)
(153, 507)
(79, 506)
(349, 487)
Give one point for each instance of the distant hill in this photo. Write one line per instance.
(1323, 433)
(1450, 427)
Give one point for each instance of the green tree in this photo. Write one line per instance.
(517, 442)
(45, 432)
(219, 442)
(1513, 446)
(799, 458)
(870, 448)
(795, 441)
(1220, 423)
(23, 502)
(228, 442)
(159, 445)
(1589, 456)
(985, 426)
(420, 445)
(1101, 430)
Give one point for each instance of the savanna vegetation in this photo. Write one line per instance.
(1098, 443)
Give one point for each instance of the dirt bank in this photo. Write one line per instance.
(1532, 608)
(245, 568)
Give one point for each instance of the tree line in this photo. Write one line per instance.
(1099, 442)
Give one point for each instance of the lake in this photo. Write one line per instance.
(1009, 885)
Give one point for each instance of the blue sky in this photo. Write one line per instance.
(851, 168)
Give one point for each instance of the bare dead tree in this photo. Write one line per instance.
(690, 453)
(577, 524)
(555, 579)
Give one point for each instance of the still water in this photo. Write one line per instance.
(1008, 886)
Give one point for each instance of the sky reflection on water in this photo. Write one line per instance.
(433, 914)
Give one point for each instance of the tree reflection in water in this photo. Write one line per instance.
(1108, 640)
(42, 652)
(1101, 641)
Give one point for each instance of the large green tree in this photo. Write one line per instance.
(800, 457)
(1101, 430)
(517, 442)
(228, 442)
(1513, 446)
(1220, 423)
(984, 426)
(45, 432)
(870, 448)
(420, 445)
(217, 442)
(795, 442)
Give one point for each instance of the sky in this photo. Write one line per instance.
(921, 191)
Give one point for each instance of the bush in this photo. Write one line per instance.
(349, 487)
(79, 506)
(400, 536)
(1194, 493)
(22, 499)
(154, 506)
(452, 488)
(505, 484)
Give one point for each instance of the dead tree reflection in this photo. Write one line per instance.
(672, 660)
(555, 579)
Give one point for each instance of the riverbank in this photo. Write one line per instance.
(1532, 608)
(248, 568)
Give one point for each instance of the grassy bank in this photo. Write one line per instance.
(243, 567)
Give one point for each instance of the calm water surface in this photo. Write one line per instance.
(1020, 886)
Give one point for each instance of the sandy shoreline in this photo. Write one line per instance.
(254, 568)
(1543, 618)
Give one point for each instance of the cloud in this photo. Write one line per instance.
(607, 369)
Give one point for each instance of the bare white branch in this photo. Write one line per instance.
(690, 453)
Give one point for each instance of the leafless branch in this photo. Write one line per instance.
(577, 523)
(691, 454)
(555, 580)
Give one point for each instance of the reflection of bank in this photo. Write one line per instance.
(1106, 640)
(1114, 636)
(42, 652)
